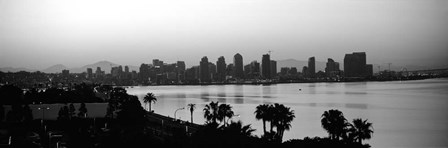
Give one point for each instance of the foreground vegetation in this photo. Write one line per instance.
(128, 124)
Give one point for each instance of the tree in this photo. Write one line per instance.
(361, 129)
(334, 122)
(71, 111)
(82, 111)
(191, 106)
(261, 113)
(149, 98)
(211, 112)
(225, 110)
(282, 119)
(27, 113)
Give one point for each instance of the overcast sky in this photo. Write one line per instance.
(41, 33)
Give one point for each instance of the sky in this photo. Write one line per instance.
(37, 34)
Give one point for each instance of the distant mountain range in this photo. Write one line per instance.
(107, 66)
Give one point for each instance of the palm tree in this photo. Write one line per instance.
(362, 129)
(261, 113)
(271, 113)
(237, 128)
(225, 110)
(191, 106)
(149, 98)
(211, 112)
(334, 122)
(283, 118)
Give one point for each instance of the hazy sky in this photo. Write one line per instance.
(41, 33)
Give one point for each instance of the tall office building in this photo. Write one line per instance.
(355, 64)
(89, 73)
(180, 66)
(221, 69)
(311, 67)
(273, 69)
(369, 70)
(238, 66)
(204, 70)
(126, 69)
(332, 68)
(266, 66)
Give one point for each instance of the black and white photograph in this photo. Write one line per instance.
(224, 73)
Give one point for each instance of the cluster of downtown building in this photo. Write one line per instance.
(221, 72)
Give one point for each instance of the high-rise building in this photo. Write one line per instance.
(355, 64)
(230, 70)
(157, 62)
(332, 68)
(238, 66)
(212, 70)
(369, 70)
(305, 71)
(65, 73)
(266, 66)
(221, 69)
(180, 66)
(89, 73)
(98, 72)
(204, 70)
(311, 67)
(126, 69)
(273, 68)
(252, 70)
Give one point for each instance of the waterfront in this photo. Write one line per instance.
(403, 113)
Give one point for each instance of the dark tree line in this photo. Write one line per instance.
(81, 93)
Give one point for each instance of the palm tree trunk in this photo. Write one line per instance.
(191, 117)
(272, 127)
(264, 126)
(150, 107)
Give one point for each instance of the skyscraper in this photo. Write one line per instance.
(355, 64)
(126, 69)
(89, 73)
(204, 70)
(273, 69)
(238, 66)
(221, 69)
(180, 66)
(332, 68)
(311, 67)
(266, 66)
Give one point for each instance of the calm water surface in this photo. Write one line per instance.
(404, 114)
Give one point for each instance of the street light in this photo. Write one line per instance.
(176, 112)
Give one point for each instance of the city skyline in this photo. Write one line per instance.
(37, 34)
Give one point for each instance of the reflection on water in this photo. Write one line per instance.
(398, 110)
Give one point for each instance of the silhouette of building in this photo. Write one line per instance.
(89, 73)
(99, 73)
(311, 67)
(266, 66)
(204, 70)
(212, 69)
(305, 71)
(180, 66)
(369, 70)
(273, 68)
(144, 73)
(292, 71)
(355, 64)
(221, 69)
(157, 62)
(65, 73)
(126, 69)
(252, 70)
(332, 68)
(230, 70)
(238, 66)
